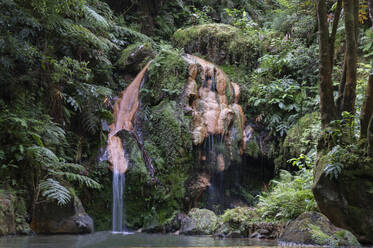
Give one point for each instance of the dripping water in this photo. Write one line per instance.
(212, 149)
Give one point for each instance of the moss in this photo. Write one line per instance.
(321, 238)
(238, 218)
(135, 55)
(220, 43)
(168, 142)
(169, 131)
(167, 76)
(346, 238)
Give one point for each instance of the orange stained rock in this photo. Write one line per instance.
(236, 92)
(212, 113)
(119, 162)
(127, 104)
(125, 109)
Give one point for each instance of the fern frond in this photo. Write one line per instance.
(129, 34)
(94, 18)
(53, 190)
(90, 121)
(73, 166)
(83, 35)
(73, 177)
(53, 134)
(38, 155)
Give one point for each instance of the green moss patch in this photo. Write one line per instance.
(219, 43)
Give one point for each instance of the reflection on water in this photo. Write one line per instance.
(109, 240)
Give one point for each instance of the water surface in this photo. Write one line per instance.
(109, 240)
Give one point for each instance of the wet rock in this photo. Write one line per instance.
(175, 223)
(12, 215)
(347, 201)
(71, 218)
(199, 221)
(313, 228)
(196, 186)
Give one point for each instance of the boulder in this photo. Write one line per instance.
(219, 43)
(7, 216)
(313, 228)
(135, 56)
(199, 221)
(245, 222)
(12, 214)
(51, 218)
(347, 200)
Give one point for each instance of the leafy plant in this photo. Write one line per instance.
(288, 197)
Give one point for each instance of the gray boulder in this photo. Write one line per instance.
(313, 228)
(199, 221)
(71, 218)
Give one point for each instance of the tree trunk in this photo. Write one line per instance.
(349, 93)
(327, 105)
(341, 88)
(367, 108)
(337, 15)
(370, 137)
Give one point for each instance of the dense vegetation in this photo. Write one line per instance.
(63, 63)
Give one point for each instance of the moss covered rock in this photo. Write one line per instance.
(313, 228)
(346, 197)
(219, 43)
(166, 137)
(135, 56)
(246, 222)
(199, 221)
(12, 214)
(167, 76)
(51, 218)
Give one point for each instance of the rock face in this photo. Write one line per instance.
(199, 221)
(313, 228)
(12, 215)
(51, 218)
(213, 102)
(219, 43)
(347, 201)
(125, 109)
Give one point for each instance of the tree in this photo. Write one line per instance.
(366, 117)
(326, 54)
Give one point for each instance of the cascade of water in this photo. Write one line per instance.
(118, 188)
(125, 109)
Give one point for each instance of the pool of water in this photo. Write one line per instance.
(110, 240)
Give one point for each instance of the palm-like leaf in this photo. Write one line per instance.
(53, 190)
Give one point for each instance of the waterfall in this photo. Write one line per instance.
(118, 188)
(125, 109)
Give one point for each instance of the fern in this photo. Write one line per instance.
(75, 32)
(129, 34)
(94, 18)
(53, 190)
(73, 177)
(38, 155)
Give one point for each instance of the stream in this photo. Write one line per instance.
(109, 240)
